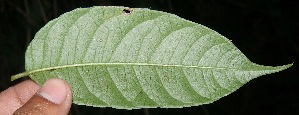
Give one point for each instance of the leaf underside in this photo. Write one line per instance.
(138, 58)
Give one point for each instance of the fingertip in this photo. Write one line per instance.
(53, 98)
(54, 90)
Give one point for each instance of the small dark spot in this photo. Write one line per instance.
(52, 69)
(127, 11)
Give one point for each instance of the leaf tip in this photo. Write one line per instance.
(283, 67)
(278, 68)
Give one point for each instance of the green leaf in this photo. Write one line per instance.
(138, 58)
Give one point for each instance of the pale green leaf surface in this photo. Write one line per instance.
(142, 59)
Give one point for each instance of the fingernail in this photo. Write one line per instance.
(54, 90)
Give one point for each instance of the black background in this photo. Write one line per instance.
(264, 30)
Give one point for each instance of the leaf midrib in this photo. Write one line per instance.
(114, 64)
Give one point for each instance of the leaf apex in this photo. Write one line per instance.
(275, 69)
(283, 67)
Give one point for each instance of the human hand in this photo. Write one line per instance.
(54, 97)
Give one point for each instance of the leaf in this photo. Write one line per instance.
(138, 58)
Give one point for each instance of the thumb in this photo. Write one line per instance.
(54, 98)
